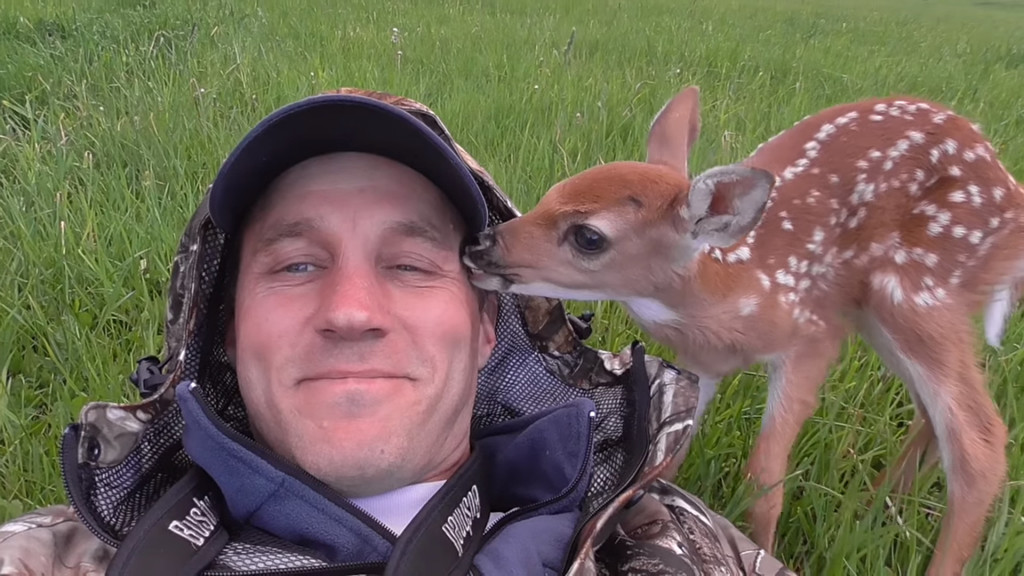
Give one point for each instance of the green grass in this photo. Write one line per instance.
(115, 115)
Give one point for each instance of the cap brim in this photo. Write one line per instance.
(339, 123)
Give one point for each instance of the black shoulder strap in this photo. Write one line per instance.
(183, 532)
(179, 535)
(444, 537)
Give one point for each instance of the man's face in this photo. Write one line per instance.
(357, 336)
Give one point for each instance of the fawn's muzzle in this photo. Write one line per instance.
(480, 252)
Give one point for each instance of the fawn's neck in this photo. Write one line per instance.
(705, 292)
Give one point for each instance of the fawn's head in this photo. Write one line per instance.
(603, 234)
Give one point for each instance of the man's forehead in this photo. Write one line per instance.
(381, 181)
(349, 168)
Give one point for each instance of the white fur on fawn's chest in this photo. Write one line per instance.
(650, 311)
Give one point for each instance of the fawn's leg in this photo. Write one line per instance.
(793, 386)
(708, 387)
(919, 454)
(937, 348)
(920, 450)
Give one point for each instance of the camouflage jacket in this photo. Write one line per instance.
(119, 459)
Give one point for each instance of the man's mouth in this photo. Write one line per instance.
(354, 374)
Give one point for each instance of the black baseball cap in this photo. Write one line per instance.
(329, 123)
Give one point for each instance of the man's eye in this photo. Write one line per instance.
(299, 268)
(408, 268)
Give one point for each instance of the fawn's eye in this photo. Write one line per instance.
(588, 239)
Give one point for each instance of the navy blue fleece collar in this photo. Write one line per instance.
(539, 464)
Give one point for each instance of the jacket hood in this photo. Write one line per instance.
(119, 458)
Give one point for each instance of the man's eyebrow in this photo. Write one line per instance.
(418, 230)
(285, 231)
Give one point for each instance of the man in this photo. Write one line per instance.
(336, 397)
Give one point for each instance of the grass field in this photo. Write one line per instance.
(115, 115)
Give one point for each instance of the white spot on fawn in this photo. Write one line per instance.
(826, 130)
(787, 225)
(766, 282)
(740, 254)
(889, 284)
(846, 118)
(974, 237)
(815, 244)
(862, 192)
(785, 278)
(975, 193)
(857, 218)
(929, 297)
(957, 196)
(929, 259)
(940, 221)
(748, 305)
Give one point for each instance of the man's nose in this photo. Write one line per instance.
(352, 306)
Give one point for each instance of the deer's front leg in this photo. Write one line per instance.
(794, 380)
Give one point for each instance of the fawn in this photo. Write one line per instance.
(889, 217)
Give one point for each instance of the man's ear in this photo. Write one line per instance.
(488, 327)
(727, 202)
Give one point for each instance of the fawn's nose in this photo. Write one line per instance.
(483, 241)
(479, 251)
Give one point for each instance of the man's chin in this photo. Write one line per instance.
(352, 466)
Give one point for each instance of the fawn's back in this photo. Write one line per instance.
(893, 195)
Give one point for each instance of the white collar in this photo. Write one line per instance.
(397, 508)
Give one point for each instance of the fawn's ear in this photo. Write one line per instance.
(726, 202)
(674, 130)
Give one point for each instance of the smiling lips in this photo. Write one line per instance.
(355, 375)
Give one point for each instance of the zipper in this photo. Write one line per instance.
(282, 465)
(334, 570)
(67, 451)
(612, 494)
(519, 512)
